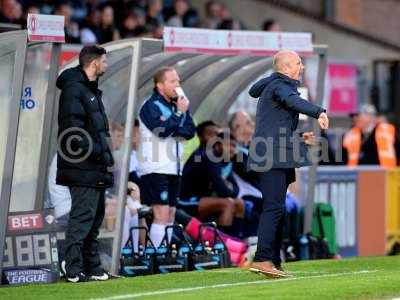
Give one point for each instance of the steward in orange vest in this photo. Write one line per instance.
(378, 147)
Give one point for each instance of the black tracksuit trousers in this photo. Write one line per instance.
(85, 219)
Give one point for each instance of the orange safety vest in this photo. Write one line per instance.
(385, 138)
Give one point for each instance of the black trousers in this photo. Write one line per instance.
(85, 218)
(273, 185)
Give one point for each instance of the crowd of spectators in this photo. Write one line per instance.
(100, 21)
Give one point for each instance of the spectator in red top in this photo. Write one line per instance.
(8, 11)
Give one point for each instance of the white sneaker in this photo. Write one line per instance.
(78, 278)
(100, 277)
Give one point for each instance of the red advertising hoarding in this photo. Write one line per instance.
(342, 88)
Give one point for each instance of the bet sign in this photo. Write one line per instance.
(30, 253)
(30, 221)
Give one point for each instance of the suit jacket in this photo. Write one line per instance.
(276, 143)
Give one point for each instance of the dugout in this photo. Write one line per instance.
(213, 78)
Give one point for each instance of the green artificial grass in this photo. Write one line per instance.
(358, 278)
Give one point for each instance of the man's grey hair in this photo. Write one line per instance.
(368, 109)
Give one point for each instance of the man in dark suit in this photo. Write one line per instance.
(276, 150)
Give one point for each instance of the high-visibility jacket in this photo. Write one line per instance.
(385, 136)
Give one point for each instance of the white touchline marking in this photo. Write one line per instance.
(236, 270)
(223, 285)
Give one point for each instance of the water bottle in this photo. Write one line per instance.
(219, 247)
(184, 251)
(304, 249)
(141, 250)
(174, 252)
(207, 248)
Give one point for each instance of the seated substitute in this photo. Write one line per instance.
(208, 186)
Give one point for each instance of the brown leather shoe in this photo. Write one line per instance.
(267, 268)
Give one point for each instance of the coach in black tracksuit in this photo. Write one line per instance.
(83, 161)
(276, 150)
